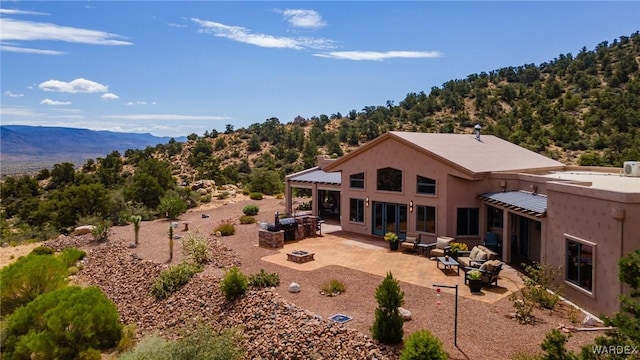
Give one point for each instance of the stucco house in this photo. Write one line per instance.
(466, 186)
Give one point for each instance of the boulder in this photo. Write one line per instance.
(83, 230)
(405, 314)
(294, 287)
(590, 321)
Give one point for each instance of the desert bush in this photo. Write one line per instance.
(540, 285)
(195, 248)
(264, 279)
(523, 307)
(70, 256)
(101, 231)
(172, 205)
(63, 324)
(387, 327)
(255, 196)
(24, 280)
(43, 250)
(223, 195)
(333, 286)
(251, 210)
(234, 284)
(172, 279)
(202, 344)
(423, 345)
(226, 228)
(246, 219)
(73, 270)
(128, 338)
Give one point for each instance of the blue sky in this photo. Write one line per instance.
(174, 68)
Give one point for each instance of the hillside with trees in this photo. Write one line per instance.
(580, 109)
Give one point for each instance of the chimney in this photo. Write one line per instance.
(477, 127)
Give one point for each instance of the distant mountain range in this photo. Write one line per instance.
(31, 148)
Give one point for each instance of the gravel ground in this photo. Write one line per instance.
(485, 331)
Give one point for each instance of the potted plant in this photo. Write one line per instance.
(392, 238)
(475, 281)
(455, 247)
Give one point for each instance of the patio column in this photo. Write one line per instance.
(506, 236)
(288, 203)
(314, 199)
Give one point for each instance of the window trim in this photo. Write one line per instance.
(435, 186)
(362, 206)
(594, 247)
(458, 221)
(351, 181)
(401, 191)
(435, 219)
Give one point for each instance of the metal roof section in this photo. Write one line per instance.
(315, 175)
(522, 201)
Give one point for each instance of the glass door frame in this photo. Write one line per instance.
(383, 212)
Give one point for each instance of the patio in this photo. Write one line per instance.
(371, 255)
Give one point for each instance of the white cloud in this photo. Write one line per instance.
(79, 85)
(167, 117)
(304, 18)
(378, 55)
(20, 12)
(25, 50)
(244, 35)
(131, 103)
(54, 102)
(110, 96)
(29, 31)
(10, 94)
(16, 111)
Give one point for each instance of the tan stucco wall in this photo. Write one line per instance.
(589, 215)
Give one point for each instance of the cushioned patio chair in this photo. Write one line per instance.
(490, 272)
(440, 247)
(491, 242)
(410, 243)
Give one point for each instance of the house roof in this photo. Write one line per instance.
(526, 202)
(315, 175)
(490, 154)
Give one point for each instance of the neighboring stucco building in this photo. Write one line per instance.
(465, 186)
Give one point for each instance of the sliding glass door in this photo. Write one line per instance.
(389, 217)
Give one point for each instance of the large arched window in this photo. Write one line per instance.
(389, 179)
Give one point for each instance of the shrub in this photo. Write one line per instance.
(255, 196)
(172, 205)
(264, 279)
(201, 344)
(42, 250)
(70, 256)
(423, 345)
(196, 248)
(172, 279)
(101, 231)
(223, 195)
(538, 280)
(387, 327)
(128, 338)
(63, 324)
(333, 287)
(245, 219)
(226, 228)
(234, 284)
(251, 210)
(24, 280)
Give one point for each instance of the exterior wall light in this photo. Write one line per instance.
(411, 206)
(367, 201)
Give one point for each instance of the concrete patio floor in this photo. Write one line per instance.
(371, 255)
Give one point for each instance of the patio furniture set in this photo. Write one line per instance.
(480, 257)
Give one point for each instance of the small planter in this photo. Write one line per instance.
(475, 281)
(475, 286)
(392, 238)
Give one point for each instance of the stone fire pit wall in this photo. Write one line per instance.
(270, 239)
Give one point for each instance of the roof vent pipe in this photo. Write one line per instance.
(477, 127)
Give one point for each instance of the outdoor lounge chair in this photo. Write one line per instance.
(490, 271)
(440, 247)
(476, 257)
(491, 241)
(411, 242)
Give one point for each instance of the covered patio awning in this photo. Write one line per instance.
(521, 201)
(315, 175)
